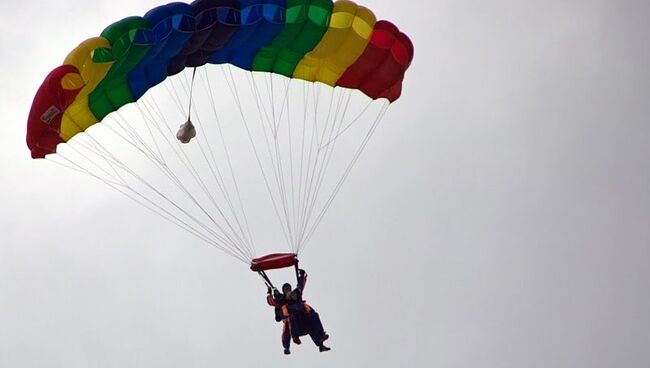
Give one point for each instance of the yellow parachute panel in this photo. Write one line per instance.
(92, 58)
(349, 30)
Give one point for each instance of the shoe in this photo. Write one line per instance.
(287, 352)
(323, 348)
(325, 337)
(296, 340)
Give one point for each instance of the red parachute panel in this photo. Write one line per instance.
(379, 71)
(57, 92)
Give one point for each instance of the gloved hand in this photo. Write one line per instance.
(302, 272)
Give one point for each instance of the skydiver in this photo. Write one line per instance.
(304, 320)
(278, 300)
(298, 317)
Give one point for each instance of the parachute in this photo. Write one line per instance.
(279, 99)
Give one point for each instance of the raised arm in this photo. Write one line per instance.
(302, 280)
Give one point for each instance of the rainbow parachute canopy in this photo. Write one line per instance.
(336, 43)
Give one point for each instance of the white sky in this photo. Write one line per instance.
(499, 218)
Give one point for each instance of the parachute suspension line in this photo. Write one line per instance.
(280, 168)
(190, 167)
(286, 225)
(330, 151)
(79, 168)
(173, 92)
(278, 120)
(276, 123)
(218, 177)
(291, 150)
(268, 81)
(306, 89)
(354, 120)
(292, 186)
(302, 189)
(97, 150)
(284, 102)
(214, 167)
(347, 171)
(224, 237)
(159, 163)
(260, 104)
(207, 86)
(153, 138)
(275, 154)
(189, 107)
(136, 138)
(289, 203)
(241, 237)
(184, 81)
(125, 168)
(237, 99)
(311, 166)
(116, 177)
(175, 146)
(216, 173)
(111, 158)
(150, 119)
(305, 162)
(151, 114)
(97, 145)
(310, 194)
(146, 203)
(275, 158)
(272, 98)
(287, 194)
(320, 167)
(305, 97)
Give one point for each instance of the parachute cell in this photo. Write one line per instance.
(171, 26)
(130, 39)
(93, 58)
(56, 93)
(349, 30)
(380, 69)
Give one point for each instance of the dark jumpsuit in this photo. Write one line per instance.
(298, 318)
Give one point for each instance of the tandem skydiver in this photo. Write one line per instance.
(298, 318)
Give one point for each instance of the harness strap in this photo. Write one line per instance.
(267, 281)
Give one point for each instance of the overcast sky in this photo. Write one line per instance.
(500, 216)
